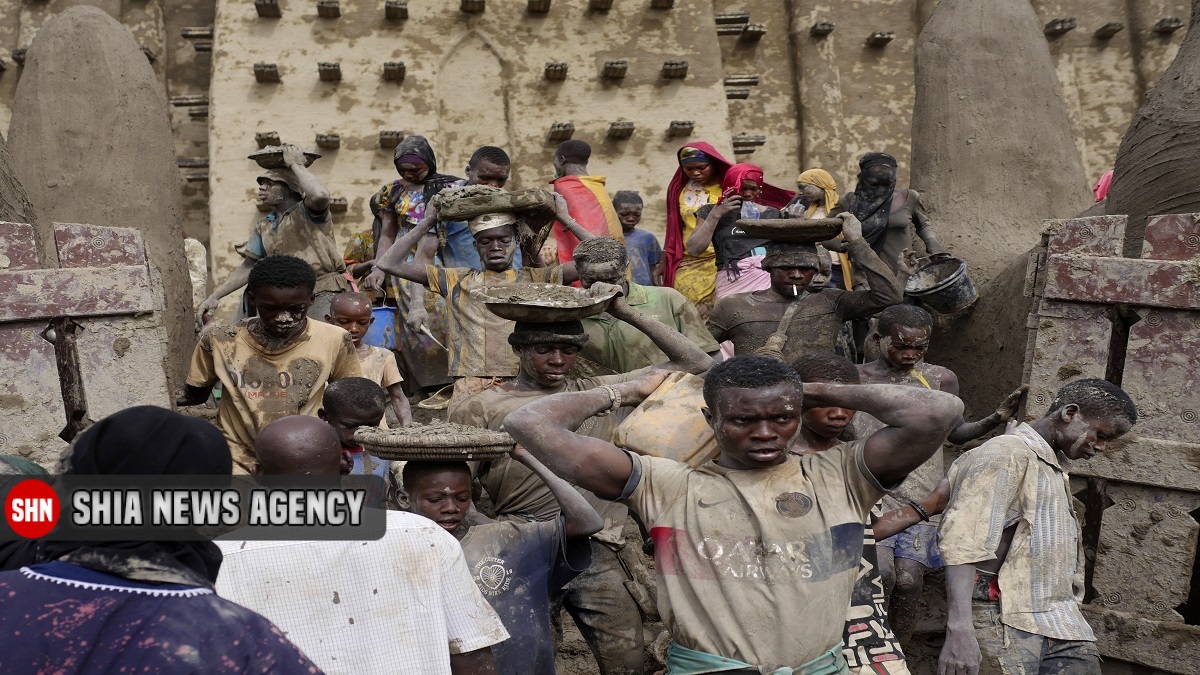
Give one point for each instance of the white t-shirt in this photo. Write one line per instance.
(401, 604)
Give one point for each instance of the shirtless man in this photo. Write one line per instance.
(749, 319)
(889, 216)
(757, 551)
(901, 339)
(1009, 610)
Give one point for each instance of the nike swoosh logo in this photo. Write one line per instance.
(701, 504)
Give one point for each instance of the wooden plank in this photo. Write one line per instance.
(18, 247)
(1174, 236)
(1161, 376)
(1146, 283)
(98, 246)
(43, 294)
(30, 397)
(1135, 458)
(120, 363)
(1146, 551)
(1093, 235)
(1071, 342)
(1173, 647)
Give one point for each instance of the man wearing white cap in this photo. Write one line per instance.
(480, 356)
(299, 225)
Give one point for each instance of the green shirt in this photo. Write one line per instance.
(619, 346)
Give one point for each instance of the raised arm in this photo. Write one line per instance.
(579, 518)
(316, 195)
(918, 421)
(393, 261)
(564, 216)
(969, 431)
(706, 225)
(237, 279)
(883, 292)
(684, 354)
(924, 228)
(545, 428)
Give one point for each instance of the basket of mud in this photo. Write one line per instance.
(793, 230)
(271, 157)
(942, 285)
(543, 302)
(437, 442)
(534, 207)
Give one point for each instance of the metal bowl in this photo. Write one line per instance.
(793, 230)
(272, 157)
(521, 302)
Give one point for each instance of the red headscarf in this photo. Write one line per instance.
(770, 196)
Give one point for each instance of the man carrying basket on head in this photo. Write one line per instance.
(500, 221)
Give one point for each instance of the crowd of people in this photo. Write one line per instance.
(793, 538)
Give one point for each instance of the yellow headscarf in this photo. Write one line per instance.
(822, 179)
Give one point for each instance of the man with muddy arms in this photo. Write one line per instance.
(1010, 539)
(757, 551)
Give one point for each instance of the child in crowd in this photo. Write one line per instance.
(517, 565)
(272, 365)
(352, 312)
(351, 403)
(645, 253)
(901, 336)
(869, 646)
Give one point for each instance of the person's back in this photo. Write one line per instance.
(404, 603)
(587, 198)
(133, 606)
(71, 619)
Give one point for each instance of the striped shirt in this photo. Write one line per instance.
(478, 342)
(1017, 479)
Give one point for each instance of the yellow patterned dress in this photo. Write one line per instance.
(696, 277)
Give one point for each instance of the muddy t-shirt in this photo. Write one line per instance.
(517, 567)
(757, 565)
(379, 366)
(304, 234)
(517, 492)
(259, 386)
(478, 343)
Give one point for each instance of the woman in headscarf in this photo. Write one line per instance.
(817, 197)
(888, 216)
(124, 606)
(401, 207)
(696, 183)
(744, 195)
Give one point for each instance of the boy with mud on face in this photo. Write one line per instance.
(480, 358)
(902, 337)
(272, 365)
(599, 599)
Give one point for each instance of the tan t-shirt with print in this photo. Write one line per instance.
(379, 366)
(757, 565)
(260, 386)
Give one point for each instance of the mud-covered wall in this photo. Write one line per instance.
(470, 79)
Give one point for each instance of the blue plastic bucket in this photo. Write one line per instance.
(382, 332)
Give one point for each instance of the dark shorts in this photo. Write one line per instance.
(919, 543)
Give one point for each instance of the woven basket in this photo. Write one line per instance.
(435, 443)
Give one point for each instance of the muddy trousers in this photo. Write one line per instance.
(605, 612)
(1009, 651)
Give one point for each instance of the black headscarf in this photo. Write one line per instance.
(139, 441)
(873, 202)
(432, 184)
